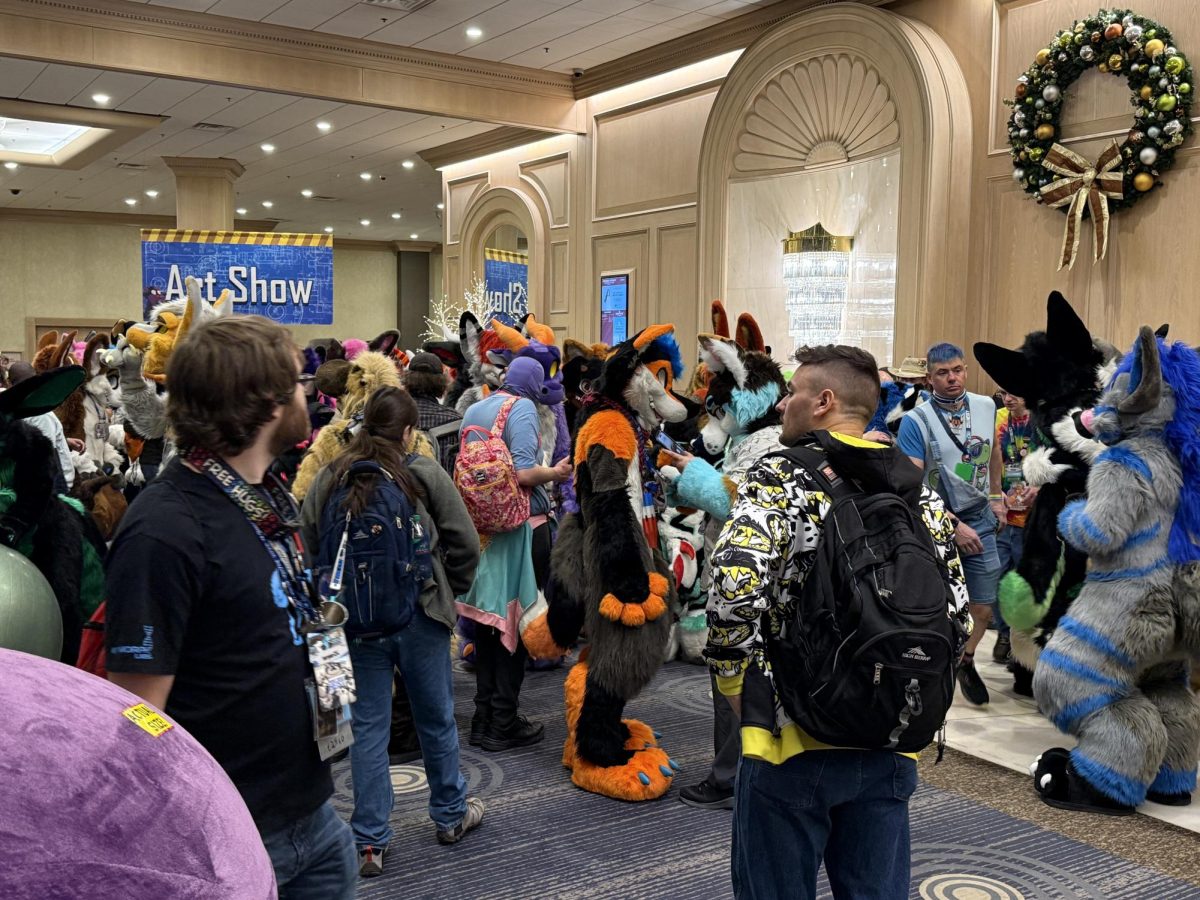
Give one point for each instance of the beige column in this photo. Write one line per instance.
(204, 191)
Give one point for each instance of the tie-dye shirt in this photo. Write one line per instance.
(1016, 439)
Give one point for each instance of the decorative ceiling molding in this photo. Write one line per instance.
(137, 220)
(135, 37)
(830, 109)
(113, 129)
(494, 141)
(733, 34)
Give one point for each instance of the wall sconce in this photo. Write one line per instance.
(816, 274)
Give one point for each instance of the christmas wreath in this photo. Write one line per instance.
(1119, 42)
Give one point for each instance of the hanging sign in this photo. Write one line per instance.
(287, 278)
(506, 280)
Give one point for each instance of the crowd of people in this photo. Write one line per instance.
(258, 616)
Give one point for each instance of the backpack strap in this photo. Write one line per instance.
(445, 430)
(813, 460)
(502, 417)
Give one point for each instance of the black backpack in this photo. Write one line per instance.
(387, 557)
(868, 657)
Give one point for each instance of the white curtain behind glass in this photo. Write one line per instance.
(856, 199)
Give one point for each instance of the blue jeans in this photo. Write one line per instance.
(1010, 543)
(421, 650)
(848, 807)
(982, 570)
(314, 858)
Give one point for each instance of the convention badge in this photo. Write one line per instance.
(331, 728)
(329, 655)
(965, 471)
(1014, 473)
(101, 431)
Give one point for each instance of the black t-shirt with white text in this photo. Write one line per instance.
(193, 593)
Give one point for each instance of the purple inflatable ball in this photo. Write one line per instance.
(97, 807)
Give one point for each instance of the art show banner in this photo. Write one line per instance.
(506, 280)
(286, 277)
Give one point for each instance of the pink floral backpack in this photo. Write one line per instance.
(487, 479)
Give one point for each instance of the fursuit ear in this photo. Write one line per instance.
(537, 331)
(720, 320)
(49, 339)
(512, 339)
(1145, 378)
(95, 344)
(1008, 368)
(749, 335)
(468, 336)
(1161, 330)
(649, 335)
(573, 349)
(384, 342)
(1066, 330)
(723, 356)
(62, 354)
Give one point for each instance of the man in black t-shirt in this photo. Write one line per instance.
(203, 619)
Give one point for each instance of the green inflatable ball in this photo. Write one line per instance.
(29, 618)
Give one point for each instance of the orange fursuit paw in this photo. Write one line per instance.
(647, 776)
(641, 735)
(538, 642)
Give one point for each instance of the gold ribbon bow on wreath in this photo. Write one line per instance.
(1084, 186)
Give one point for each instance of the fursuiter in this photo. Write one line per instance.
(582, 365)
(101, 451)
(486, 357)
(1115, 673)
(56, 353)
(607, 572)
(51, 530)
(1056, 371)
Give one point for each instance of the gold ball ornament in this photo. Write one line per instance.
(1103, 67)
(1095, 37)
(1174, 65)
(1114, 62)
(1043, 57)
(1146, 92)
(1143, 181)
(1045, 132)
(1154, 48)
(1113, 31)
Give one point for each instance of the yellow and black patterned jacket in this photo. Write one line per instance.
(766, 549)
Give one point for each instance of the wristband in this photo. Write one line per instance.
(994, 497)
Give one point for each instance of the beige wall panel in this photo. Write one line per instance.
(103, 280)
(552, 177)
(675, 277)
(560, 279)
(622, 252)
(1097, 103)
(23, 36)
(648, 158)
(461, 191)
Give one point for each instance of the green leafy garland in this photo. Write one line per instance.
(1119, 42)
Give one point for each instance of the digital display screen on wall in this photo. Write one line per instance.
(286, 277)
(614, 309)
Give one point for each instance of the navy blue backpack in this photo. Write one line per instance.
(379, 559)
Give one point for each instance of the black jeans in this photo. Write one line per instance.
(498, 678)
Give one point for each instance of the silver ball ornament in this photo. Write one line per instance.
(1163, 84)
(1051, 93)
(1127, 23)
(1133, 32)
(1154, 71)
(1018, 174)
(1024, 132)
(1153, 132)
(1087, 54)
(1039, 103)
(1173, 127)
(1171, 51)
(1148, 156)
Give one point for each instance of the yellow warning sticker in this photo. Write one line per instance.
(148, 720)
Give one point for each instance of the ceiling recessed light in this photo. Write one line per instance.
(241, 210)
(365, 176)
(130, 201)
(268, 148)
(11, 166)
(408, 164)
(101, 99)
(151, 194)
(268, 204)
(364, 222)
(324, 126)
(395, 215)
(329, 229)
(474, 32)
(441, 206)
(413, 236)
(306, 193)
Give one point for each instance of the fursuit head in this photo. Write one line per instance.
(640, 374)
(744, 387)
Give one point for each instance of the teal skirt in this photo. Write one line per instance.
(505, 587)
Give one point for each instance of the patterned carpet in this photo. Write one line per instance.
(542, 837)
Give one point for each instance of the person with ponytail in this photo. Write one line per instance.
(421, 647)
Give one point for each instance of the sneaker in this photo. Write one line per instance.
(471, 819)
(479, 727)
(370, 861)
(972, 685)
(1002, 652)
(521, 733)
(707, 795)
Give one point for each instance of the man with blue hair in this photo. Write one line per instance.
(951, 438)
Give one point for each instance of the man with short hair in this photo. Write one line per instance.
(952, 438)
(799, 801)
(209, 596)
(426, 381)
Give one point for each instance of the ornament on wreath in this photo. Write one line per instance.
(1160, 80)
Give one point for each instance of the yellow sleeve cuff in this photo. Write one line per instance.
(730, 685)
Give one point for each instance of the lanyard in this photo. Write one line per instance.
(271, 512)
